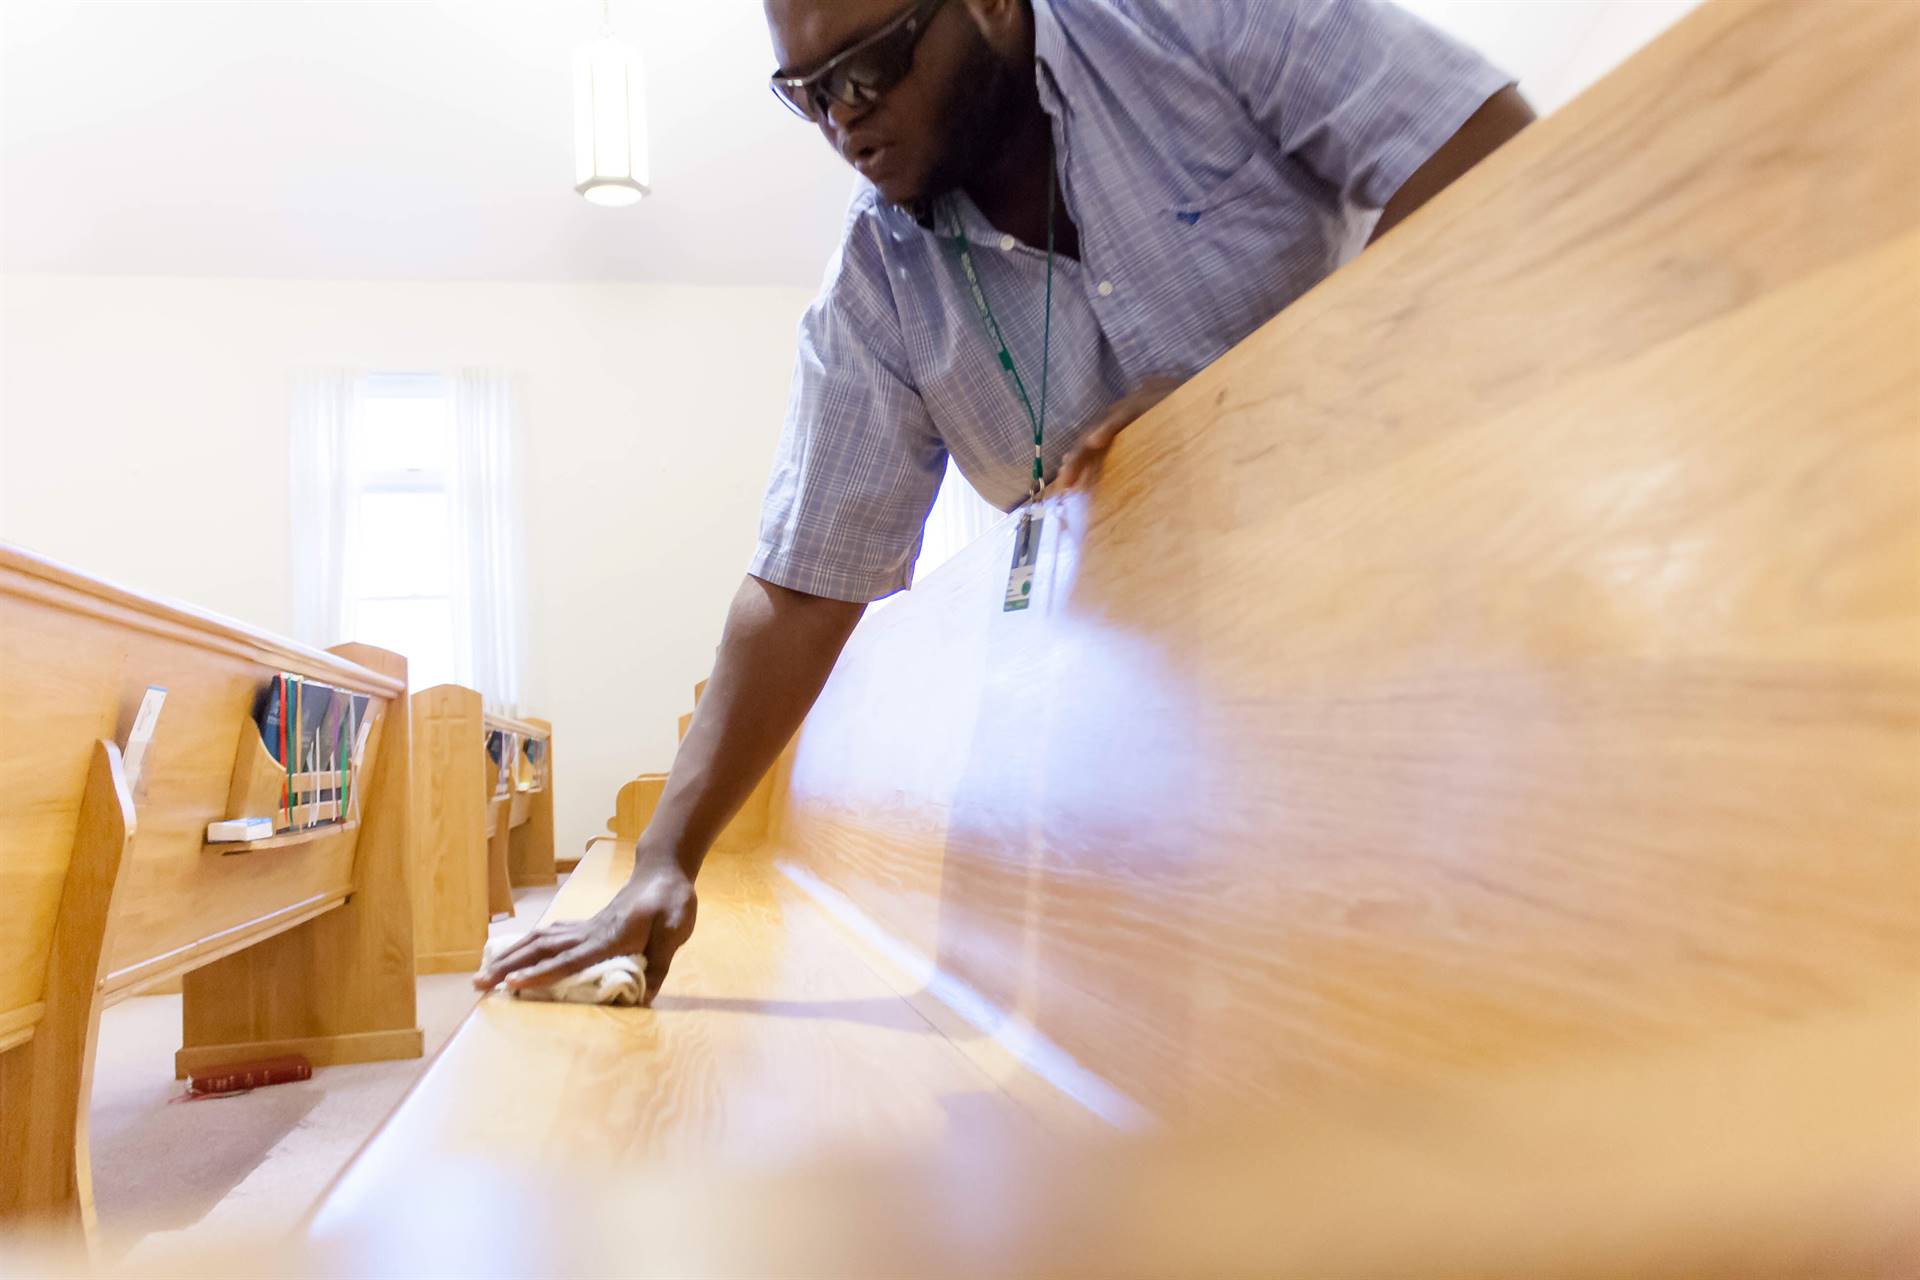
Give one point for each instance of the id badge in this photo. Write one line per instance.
(1026, 554)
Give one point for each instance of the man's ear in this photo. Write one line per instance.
(1006, 25)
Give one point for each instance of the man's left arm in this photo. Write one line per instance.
(1498, 119)
(1382, 107)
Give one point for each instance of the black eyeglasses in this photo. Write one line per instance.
(861, 74)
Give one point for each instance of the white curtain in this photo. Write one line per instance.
(489, 574)
(959, 516)
(325, 406)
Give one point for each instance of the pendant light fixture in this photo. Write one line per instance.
(609, 120)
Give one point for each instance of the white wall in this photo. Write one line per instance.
(1557, 48)
(143, 438)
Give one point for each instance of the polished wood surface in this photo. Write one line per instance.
(1510, 655)
(76, 658)
(258, 788)
(450, 868)
(339, 987)
(526, 835)
(1664, 1166)
(1536, 1179)
(1466, 747)
(499, 856)
(530, 852)
(45, 1083)
(775, 1041)
(633, 806)
(516, 726)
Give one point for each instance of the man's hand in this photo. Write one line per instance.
(1084, 459)
(651, 916)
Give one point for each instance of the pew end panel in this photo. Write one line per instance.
(451, 870)
(46, 1074)
(633, 807)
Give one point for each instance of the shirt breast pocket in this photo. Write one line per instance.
(1244, 248)
(1254, 175)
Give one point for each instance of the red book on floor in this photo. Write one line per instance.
(241, 1076)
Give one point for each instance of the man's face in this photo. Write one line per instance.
(923, 135)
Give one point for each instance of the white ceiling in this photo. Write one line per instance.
(432, 139)
(416, 139)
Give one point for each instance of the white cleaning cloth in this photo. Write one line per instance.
(619, 981)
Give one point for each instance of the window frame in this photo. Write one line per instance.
(420, 480)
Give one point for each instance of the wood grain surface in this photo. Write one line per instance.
(341, 985)
(1465, 748)
(1509, 655)
(46, 1177)
(775, 1043)
(530, 850)
(75, 658)
(450, 871)
(1664, 1168)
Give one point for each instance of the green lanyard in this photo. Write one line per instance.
(963, 251)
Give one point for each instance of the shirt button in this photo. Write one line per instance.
(1106, 288)
(1006, 244)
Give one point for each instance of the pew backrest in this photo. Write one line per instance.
(1509, 654)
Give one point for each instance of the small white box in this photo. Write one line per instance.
(235, 830)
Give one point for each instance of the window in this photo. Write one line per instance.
(402, 513)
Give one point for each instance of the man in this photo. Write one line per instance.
(1134, 186)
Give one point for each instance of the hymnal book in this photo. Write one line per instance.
(273, 712)
(268, 709)
(242, 1076)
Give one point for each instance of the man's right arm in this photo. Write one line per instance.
(775, 656)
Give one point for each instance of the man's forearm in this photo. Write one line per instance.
(777, 651)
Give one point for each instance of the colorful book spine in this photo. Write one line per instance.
(286, 740)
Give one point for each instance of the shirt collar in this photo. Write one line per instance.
(1049, 53)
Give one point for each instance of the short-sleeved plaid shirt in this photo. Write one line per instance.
(1220, 158)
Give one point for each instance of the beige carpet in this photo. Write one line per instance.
(167, 1173)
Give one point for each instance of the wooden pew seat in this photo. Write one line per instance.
(788, 1109)
(776, 1040)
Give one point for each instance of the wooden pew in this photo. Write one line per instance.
(636, 800)
(457, 885)
(525, 787)
(301, 943)
(633, 807)
(1511, 656)
(485, 825)
(1504, 666)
